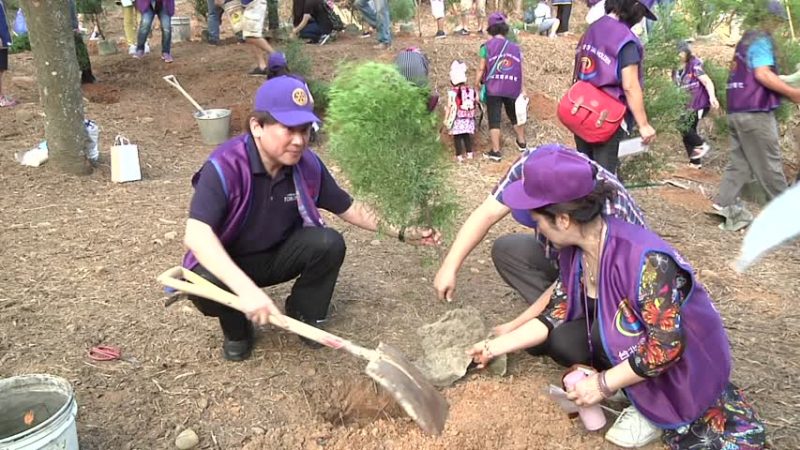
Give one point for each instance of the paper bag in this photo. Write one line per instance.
(125, 161)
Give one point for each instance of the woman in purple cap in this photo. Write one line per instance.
(702, 98)
(500, 70)
(254, 219)
(609, 56)
(628, 304)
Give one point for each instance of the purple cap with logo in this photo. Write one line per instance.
(276, 61)
(496, 18)
(287, 100)
(648, 8)
(551, 175)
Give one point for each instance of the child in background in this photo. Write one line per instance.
(5, 43)
(460, 110)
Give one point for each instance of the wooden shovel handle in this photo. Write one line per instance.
(189, 282)
(174, 82)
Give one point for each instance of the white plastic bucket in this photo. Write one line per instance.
(47, 404)
(214, 125)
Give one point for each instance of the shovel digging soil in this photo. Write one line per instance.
(387, 366)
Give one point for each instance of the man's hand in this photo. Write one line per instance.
(258, 307)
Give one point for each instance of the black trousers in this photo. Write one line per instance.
(606, 154)
(691, 138)
(313, 254)
(563, 12)
(463, 142)
(568, 344)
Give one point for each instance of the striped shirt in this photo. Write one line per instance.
(413, 65)
(620, 205)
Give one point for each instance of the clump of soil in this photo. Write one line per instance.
(359, 402)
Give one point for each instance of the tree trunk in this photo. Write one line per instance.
(58, 75)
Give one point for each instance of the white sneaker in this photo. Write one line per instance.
(701, 151)
(146, 48)
(632, 430)
(132, 49)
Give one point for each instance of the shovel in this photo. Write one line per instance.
(174, 82)
(387, 366)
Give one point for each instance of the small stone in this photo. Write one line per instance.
(158, 242)
(202, 404)
(375, 242)
(258, 431)
(310, 372)
(171, 235)
(481, 261)
(147, 119)
(474, 270)
(187, 439)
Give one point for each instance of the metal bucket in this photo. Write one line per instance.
(38, 413)
(181, 29)
(235, 12)
(214, 125)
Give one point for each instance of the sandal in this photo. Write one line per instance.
(6, 101)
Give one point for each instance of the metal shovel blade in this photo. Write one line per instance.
(409, 387)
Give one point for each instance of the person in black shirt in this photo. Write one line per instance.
(311, 21)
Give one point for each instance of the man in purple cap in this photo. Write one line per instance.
(754, 93)
(254, 219)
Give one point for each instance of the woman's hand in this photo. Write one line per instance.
(714, 103)
(481, 354)
(422, 236)
(587, 391)
(648, 134)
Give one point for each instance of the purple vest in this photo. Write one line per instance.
(695, 381)
(506, 79)
(168, 5)
(233, 166)
(597, 55)
(699, 95)
(745, 93)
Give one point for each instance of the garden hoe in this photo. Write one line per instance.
(420, 400)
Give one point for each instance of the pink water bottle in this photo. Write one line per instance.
(592, 416)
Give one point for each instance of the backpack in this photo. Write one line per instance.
(465, 102)
(336, 21)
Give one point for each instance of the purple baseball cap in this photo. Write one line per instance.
(276, 61)
(776, 8)
(648, 9)
(496, 18)
(287, 100)
(551, 175)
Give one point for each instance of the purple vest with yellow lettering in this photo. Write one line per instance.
(687, 388)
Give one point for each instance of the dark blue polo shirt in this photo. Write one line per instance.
(273, 215)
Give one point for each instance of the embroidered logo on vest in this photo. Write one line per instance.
(588, 68)
(626, 322)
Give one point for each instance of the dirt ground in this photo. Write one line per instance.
(80, 257)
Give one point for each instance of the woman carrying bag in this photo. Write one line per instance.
(608, 73)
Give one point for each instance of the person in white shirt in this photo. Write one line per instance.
(543, 18)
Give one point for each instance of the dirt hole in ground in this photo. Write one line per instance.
(99, 93)
(358, 402)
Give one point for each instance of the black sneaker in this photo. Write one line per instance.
(493, 156)
(440, 35)
(463, 32)
(258, 72)
(238, 350)
(314, 323)
(324, 39)
(522, 146)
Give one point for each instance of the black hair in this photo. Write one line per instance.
(263, 118)
(498, 28)
(582, 210)
(630, 12)
(279, 72)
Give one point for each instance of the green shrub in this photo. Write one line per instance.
(320, 90)
(297, 59)
(719, 75)
(19, 44)
(401, 10)
(201, 8)
(387, 143)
